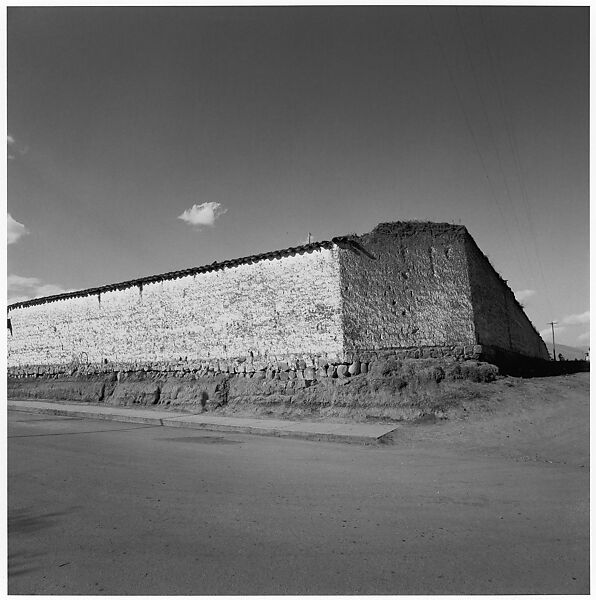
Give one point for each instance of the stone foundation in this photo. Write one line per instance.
(400, 384)
(305, 367)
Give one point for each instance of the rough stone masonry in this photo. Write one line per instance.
(419, 289)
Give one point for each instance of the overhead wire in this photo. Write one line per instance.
(514, 149)
(469, 125)
(493, 139)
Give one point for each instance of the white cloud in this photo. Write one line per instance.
(15, 230)
(578, 319)
(524, 294)
(13, 145)
(10, 142)
(26, 288)
(547, 333)
(584, 338)
(203, 214)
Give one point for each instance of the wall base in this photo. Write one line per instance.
(518, 365)
(390, 388)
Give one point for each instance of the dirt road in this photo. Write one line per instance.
(495, 505)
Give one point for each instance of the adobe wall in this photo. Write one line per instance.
(420, 288)
(500, 322)
(270, 308)
(414, 292)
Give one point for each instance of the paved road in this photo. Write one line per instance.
(114, 508)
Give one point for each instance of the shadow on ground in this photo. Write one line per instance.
(26, 522)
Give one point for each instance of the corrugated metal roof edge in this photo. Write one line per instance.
(340, 241)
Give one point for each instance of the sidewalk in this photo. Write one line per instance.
(360, 433)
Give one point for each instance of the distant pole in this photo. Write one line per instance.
(309, 237)
(552, 324)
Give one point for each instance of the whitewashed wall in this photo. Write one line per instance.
(280, 307)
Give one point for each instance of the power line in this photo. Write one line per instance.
(468, 124)
(491, 135)
(514, 148)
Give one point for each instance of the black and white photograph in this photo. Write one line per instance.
(298, 300)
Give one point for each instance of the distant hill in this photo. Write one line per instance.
(569, 352)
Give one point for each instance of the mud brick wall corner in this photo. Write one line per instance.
(409, 286)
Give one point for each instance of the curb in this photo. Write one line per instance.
(224, 428)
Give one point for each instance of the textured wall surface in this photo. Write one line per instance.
(498, 318)
(406, 285)
(277, 308)
(414, 292)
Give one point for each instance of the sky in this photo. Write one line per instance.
(144, 140)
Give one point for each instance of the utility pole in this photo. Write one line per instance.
(552, 324)
(309, 237)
